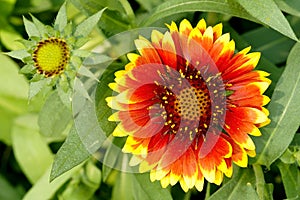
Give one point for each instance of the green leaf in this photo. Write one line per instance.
(30, 28)
(8, 192)
(96, 58)
(150, 4)
(54, 117)
(61, 18)
(6, 123)
(9, 36)
(85, 117)
(113, 20)
(12, 83)
(13, 97)
(288, 157)
(145, 189)
(267, 12)
(240, 186)
(103, 91)
(37, 6)
(284, 109)
(173, 7)
(37, 87)
(290, 175)
(7, 7)
(81, 90)
(45, 190)
(85, 27)
(70, 155)
(92, 6)
(138, 186)
(291, 6)
(84, 185)
(30, 149)
(272, 44)
(263, 190)
(123, 187)
(113, 157)
(264, 64)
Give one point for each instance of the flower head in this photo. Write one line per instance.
(188, 103)
(52, 54)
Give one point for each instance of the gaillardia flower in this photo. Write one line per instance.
(52, 54)
(188, 103)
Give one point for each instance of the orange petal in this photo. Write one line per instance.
(201, 26)
(185, 27)
(247, 114)
(189, 168)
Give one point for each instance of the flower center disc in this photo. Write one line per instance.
(191, 103)
(51, 56)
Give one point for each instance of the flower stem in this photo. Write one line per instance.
(260, 180)
(207, 194)
(128, 11)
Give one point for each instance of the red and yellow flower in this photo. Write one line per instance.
(188, 103)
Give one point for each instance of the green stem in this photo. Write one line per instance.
(260, 180)
(207, 194)
(128, 11)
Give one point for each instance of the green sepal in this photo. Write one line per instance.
(288, 157)
(81, 53)
(61, 19)
(36, 77)
(86, 27)
(25, 43)
(64, 83)
(36, 87)
(81, 41)
(40, 26)
(68, 30)
(30, 28)
(27, 69)
(18, 54)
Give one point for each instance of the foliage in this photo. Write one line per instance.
(52, 142)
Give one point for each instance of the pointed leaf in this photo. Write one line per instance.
(39, 25)
(173, 7)
(85, 185)
(61, 18)
(45, 190)
(30, 28)
(138, 186)
(31, 150)
(103, 91)
(71, 154)
(290, 175)
(284, 111)
(145, 189)
(86, 72)
(84, 28)
(81, 90)
(271, 43)
(291, 6)
(267, 12)
(54, 117)
(36, 87)
(113, 157)
(241, 186)
(18, 54)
